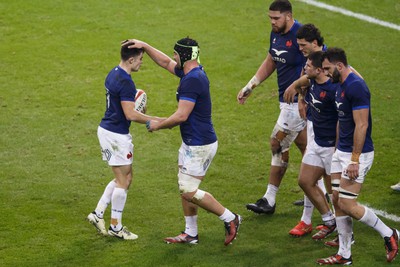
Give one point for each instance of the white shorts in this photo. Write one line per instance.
(117, 149)
(310, 131)
(318, 156)
(289, 117)
(341, 160)
(195, 160)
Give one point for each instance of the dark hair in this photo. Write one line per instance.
(188, 42)
(127, 53)
(335, 55)
(310, 33)
(316, 58)
(281, 6)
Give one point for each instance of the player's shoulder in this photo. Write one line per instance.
(357, 86)
(296, 26)
(354, 80)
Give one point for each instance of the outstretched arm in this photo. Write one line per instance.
(133, 115)
(185, 107)
(156, 55)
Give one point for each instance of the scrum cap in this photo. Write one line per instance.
(187, 49)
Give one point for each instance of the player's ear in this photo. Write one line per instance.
(288, 16)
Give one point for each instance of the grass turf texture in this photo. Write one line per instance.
(55, 55)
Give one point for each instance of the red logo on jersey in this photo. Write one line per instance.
(342, 94)
(289, 43)
(322, 95)
(129, 155)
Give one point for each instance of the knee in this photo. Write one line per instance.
(285, 157)
(303, 182)
(125, 182)
(194, 197)
(189, 187)
(187, 196)
(275, 146)
(346, 206)
(343, 206)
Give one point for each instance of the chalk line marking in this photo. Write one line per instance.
(384, 214)
(352, 14)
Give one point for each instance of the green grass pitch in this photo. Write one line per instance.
(54, 58)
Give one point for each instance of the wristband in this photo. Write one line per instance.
(246, 91)
(253, 83)
(354, 163)
(148, 125)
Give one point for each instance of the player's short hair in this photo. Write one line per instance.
(310, 33)
(316, 58)
(335, 55)
(127, 53)
(281, 6)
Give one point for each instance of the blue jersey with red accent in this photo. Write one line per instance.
(353, 94)
(307, 96)
(198, 129)
(288, 59)
(323, 112)
(119, 87)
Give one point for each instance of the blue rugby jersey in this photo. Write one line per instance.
(322, 109)
(307, 96)
(353, 94)
(119, 87)
(287, 57)
(198, 129)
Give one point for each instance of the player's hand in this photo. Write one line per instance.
(289, 94)
(133, 43)
(352, 170)
(302, 109)
(152, 125)
(243, 94)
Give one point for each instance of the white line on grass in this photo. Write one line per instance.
(352, 14)
(384, 214)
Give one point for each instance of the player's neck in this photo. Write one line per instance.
(289, 25)
(189, 65)
(125, 66)
(321, 79)
(344, 74)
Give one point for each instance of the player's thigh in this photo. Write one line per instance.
(310, 174)
(289, 118)
(195, 160)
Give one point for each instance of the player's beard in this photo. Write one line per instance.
(277, 29)
(336, 76)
